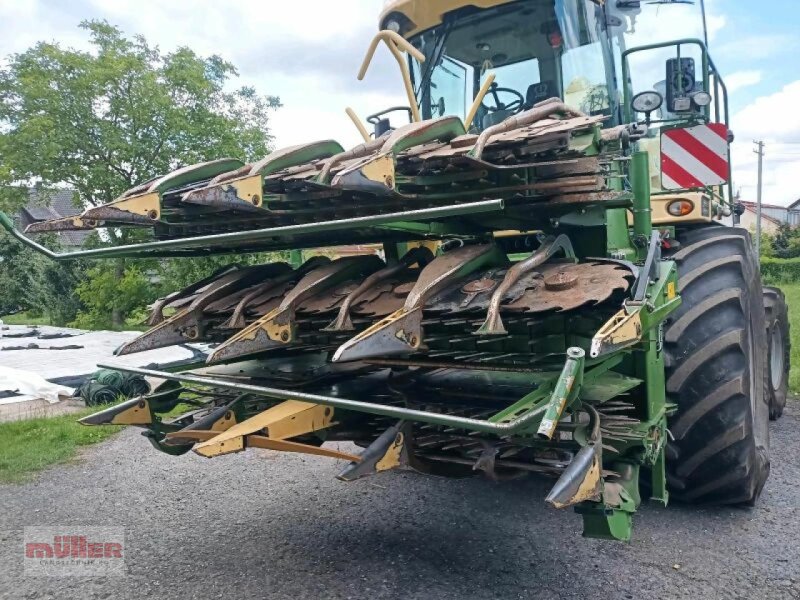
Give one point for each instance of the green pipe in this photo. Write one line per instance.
(256, 235)
(640, 185)
(566, 390)
(618, 237)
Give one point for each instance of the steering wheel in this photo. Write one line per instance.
(515, 106)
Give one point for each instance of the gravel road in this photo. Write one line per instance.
(261, 525)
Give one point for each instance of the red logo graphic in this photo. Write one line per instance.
(74, 551)
(73, 546)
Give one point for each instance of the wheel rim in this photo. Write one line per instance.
(776, 357)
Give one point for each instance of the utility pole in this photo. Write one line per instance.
(760, 152)
(705, 26)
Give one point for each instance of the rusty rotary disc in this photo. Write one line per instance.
(479, 285)
(560, 281)
(345, 290)
(404, 289)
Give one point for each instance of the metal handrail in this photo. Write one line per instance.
(176, 246)
(515, 425)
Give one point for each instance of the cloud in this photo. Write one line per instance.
(775, 120)
(742, 79)
(756, 47)
(305, 51)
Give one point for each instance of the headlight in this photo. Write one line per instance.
(680, 208)
(647, 102)
(701, 99)
(393, 25)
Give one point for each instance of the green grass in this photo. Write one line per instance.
(31, 445)
(792, 291)
(24, 318)
(133, 323)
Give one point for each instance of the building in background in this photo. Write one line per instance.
(771, 217)
(43, 205)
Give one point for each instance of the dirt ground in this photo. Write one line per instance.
(262, 525)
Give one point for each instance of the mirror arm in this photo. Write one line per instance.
(395, 42)
(412, 99)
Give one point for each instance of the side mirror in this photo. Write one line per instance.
(680, 84)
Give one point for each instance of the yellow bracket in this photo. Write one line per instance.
(378, 169)
(62, 224)
(193, 435)
(392, 458)
(286, 420)
(147, 205)
(131, 412)
(622, 330)
(248, 188)
(224, 423)
(395, 42)
(138, 414)
(259, 441)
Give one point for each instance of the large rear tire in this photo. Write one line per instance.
(716, 372)
(778, 349)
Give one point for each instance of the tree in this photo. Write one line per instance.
(106, 120)
(786, 243)
(35, 284)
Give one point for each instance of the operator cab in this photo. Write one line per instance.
(537, 49)
(629, 60)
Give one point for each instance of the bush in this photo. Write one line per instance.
(105, 292)
(780, 270)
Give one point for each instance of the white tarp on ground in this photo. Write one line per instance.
(30, 385)
(97, 347)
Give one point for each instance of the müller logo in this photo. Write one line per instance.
(74, 551)
(73, 546)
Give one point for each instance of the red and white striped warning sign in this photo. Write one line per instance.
(694, 156)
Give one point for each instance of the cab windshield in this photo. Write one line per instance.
(537, 49)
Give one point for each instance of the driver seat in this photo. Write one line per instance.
(538, 92)
(493, 118)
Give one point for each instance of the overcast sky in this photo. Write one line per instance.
(308, 52)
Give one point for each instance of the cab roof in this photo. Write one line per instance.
(415, 16)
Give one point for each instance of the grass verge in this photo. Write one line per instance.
(134, 323)
(792, 291)
(33, 444)
(24, 318)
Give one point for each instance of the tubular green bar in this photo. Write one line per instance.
(640, 184)
(567, 388)
(510, 427)
(220, 239)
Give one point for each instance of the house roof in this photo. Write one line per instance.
(751, 207)
(46, 204)
(765, 205)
